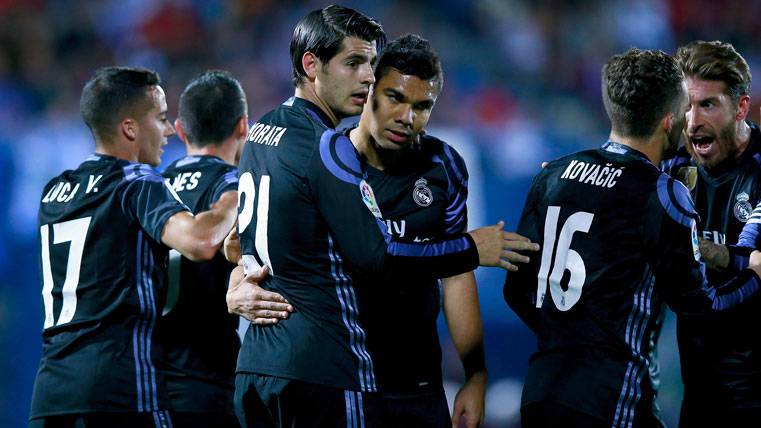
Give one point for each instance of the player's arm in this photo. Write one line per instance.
(735, 257)
(463, 317)
(678, 265)
(335, 181)
(161, 213)
(199, 237)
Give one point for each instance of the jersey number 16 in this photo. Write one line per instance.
(565, 259)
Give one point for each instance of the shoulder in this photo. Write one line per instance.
(675, 199)
(140, 172)
(441, 152)
(339, 157)
(680, 160)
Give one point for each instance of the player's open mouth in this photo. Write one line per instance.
(702, 144)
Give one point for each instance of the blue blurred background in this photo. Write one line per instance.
(522, 86)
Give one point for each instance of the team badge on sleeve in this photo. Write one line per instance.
(695, 242)
(422, 194)
(688, 175)
(743, 208)
(368, 197)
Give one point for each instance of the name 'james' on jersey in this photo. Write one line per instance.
(104, 279)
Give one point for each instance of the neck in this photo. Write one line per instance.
(224, 151)
(365, 145)
(742, 137)
(651, 147)
(120, 150)
(307, 91)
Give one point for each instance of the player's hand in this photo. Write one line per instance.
(716, 256)
(468, 409)
(497, 248)
(755, 262)
(231, 246)
(246, 298)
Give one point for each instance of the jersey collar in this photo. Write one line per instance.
(312, 109)
(621, 149)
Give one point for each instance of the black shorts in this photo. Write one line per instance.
(263, 401)
(427, 409)
(159, 419)
(201, 419)
(544, 414)
(703, 411)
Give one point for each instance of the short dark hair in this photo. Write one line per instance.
(323, 30)
(410, 55)
(716, 60)
(639, 87)
(113, 93)
(210, 107)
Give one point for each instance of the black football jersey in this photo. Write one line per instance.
(104, 279)
(307, 211)
(423, 198)
(199, 336)
(721, 362)
(618, 239)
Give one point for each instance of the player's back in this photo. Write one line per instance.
(281, 225)
(592, 301)
(101, 288)
(197, 333)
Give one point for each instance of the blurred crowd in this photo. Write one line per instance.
(522, 85)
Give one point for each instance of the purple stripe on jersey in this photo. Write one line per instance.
(138, 324)
(750, 233)
(350, 171)
(451, 164)
(349, 409)
(679, 206)
(638, 318)
(145, 315)
(344, 292)
(138, 170)
(151, 324)
(187, 160)
(231, 177)
(361, 410)
(728, 300)
(455, 215)
(428, 250)
(757, 158)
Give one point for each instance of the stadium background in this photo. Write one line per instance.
(522, 85)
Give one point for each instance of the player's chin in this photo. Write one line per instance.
(353, 109)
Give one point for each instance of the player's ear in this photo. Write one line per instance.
(743, 107)
(241, 128)
(128, 127)
(310, 62)
(180, 130)
(667, 123)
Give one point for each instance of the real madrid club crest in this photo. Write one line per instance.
(368, 197)
(743, 208)
(422, 194)
(688, 175)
